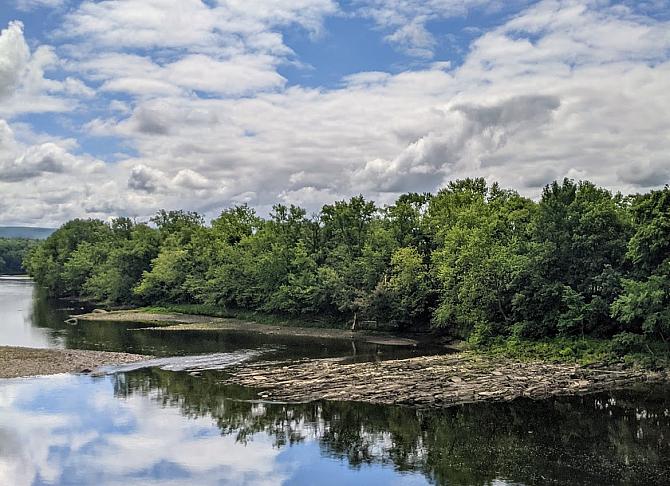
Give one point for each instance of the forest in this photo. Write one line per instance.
(474, 260)
(12, 253)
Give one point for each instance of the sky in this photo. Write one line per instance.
(123, 107)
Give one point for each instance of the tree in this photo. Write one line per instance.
(645, 302)
(575, 257)
(46, 262)
(12, 253)
(475, 260)
(114, 280)
(403, 298)
(346, 223)
(483, 234)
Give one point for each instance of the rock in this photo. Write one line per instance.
(421, 381)
(580, 383)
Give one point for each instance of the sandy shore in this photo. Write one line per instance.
(433, 381)
(17, 362)
(187, 322)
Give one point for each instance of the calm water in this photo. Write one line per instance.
(154, 426)
(28, 318)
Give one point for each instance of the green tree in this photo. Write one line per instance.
(645, 302)
(12, 253)
(483, 234)
(403, 297)
(46, 262)
(575, 260)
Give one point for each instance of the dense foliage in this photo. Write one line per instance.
(475, 260)
(12, 253)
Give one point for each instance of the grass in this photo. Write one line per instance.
(194, 309)
(582, 351)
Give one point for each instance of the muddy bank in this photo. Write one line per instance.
(186, 322)
(18, 362)
(435, 381)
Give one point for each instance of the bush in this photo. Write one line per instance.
(627, 343)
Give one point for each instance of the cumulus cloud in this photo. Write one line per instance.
(140, 76)
(470, 133)
(225, 48)
(24, 87)
(143, 178)
(190, 179)
(18, 163)
(14, 57)
(646, 174)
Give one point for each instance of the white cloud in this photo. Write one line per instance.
(24, 88)
(228, 48)
(471, 133)
(564, 88)
(140, 76)
(146, 179)
(14, 57)
(191, 24)
(190, 179)
(20, 163)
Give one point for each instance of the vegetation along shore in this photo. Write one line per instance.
(580, 268)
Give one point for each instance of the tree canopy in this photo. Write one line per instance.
(475, 260)
(12, 253)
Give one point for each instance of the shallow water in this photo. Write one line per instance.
(165, 426)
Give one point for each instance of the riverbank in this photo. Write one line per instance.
(18, 362)
(434, 381)
(503, 372)
(176, 322)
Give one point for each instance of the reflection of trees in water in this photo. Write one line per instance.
(116, 336)
(584, 440)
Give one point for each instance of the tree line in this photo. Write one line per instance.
(12, 253)
(476, 260)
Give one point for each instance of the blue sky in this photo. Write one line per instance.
(120, 107)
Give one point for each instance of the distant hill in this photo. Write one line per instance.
(25, 232)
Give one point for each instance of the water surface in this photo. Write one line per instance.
(28, 318)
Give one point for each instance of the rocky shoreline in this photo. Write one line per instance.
(433, 381)
(18, 362)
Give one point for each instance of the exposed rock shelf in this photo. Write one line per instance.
(434, 381)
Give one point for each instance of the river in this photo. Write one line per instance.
(170, 424)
